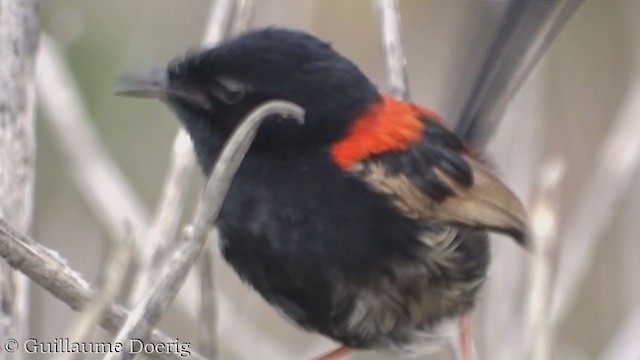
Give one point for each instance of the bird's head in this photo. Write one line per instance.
(214, 89)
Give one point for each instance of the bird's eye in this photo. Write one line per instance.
(229, 91)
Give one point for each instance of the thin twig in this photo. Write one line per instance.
(208, 320)
(107, 191)
(166, 220)
(115, 274)
(544, 227)
(148, 310)
(18, 46)
(526, 31)
(220, 20)
(395, 59)
(47, 269)
(618, 159)
(243, 16)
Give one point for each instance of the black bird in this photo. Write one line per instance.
(368, 224)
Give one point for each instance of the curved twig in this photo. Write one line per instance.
(148, 310)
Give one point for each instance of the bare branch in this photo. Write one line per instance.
(395, 60)
(544, 255)
(110, 196)
(164, 226)
(208, 320)
(18, 46)
(165, 223)
(148, 310)
(220, 20)
(618, 159)
(243, 16)
(47, 269)
(115, 274)
(526, 31)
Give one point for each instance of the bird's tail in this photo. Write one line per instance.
(527, 29)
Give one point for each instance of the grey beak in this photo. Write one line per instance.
(155, 84)
(152, 84)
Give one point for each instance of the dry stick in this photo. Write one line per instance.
(18, 46)
(208, 319)
(618, 159)
(115, 274)
(148, 310)
(166, 220)
(101, 182)
(395, 60)
(47, 269)
(243, 16)
(169, 211)
(544, 229)
(219, 21)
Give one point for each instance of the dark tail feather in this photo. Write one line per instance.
(528, 27)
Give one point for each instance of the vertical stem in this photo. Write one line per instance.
(395, 60)
(18, 46)
(208, 340)
(544, 256)
(243, 16)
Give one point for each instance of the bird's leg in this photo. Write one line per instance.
(465, 336)
(336, 354)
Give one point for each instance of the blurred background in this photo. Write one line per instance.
(564, 110)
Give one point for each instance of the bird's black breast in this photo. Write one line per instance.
(292, 222)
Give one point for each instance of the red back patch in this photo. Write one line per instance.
(390, 125)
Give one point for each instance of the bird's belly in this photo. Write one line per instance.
(338, 259)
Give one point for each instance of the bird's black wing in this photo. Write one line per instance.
(437, 179)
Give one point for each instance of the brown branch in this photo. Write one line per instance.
(148, 310)
(47, 269)
(395, 59)
(18, 46)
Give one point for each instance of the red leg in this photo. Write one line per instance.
(465, 337)
(336, 354)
